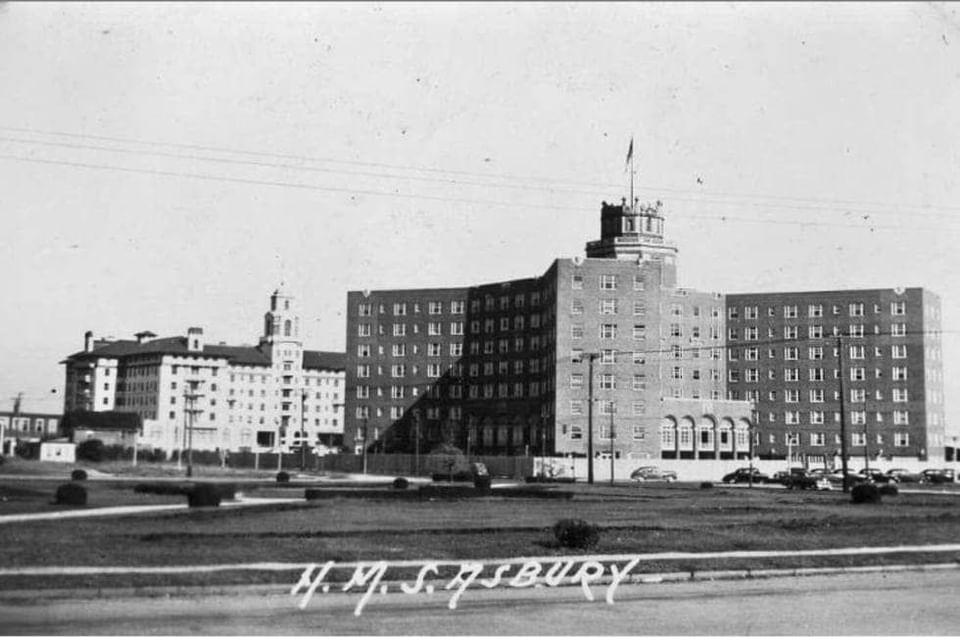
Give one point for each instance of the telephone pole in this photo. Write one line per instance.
(843, 426)
(190, 397)
(303, 436)
(613, 407)
(590, 358)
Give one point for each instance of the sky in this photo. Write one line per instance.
(169, 165)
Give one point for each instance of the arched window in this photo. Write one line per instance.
(668, 435)
(685, 434)
(705, 434)
(725, 436)
(287, 327)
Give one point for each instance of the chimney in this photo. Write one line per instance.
(144, 336)
(193, 339)
(88, 341)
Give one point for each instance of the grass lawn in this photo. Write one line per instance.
(645, 518)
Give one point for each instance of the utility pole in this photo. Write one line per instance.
(613, 435)
(543, 446)
(190, 397)
(303, 439)
(843, 426)
(416, 442)
(590, 358)
(753, 427)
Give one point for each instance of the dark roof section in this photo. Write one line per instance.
(237, 355)
(328, 361)
(101, 421)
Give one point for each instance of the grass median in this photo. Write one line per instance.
(645, 518)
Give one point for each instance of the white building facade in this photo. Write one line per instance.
(267, 397)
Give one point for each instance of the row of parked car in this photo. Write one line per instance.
(799, 478)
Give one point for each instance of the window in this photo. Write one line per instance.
(456, 349)
(576, 407)
(608, 357)
(857, 352)
(791, 353)
(790, 332)
(397, 391)
(398, 371)
(363, 329)
(363, 351)
(858, 439)
(399, 329)
(816, 417)
(752, 375)
(898, 308)
(608, 281)
(456, 328)
(639, 382)
(433, 370)
(576, 381)
(733, 375)
(899, 395)
(855, 330)
(576, 306)
(363, 371)
(856, 309)
(576, 331)
(639, 432)
(639, 308)
(791, 374)
(901, 439)
(901, 417)
(608, 306)
(675, 330)
(608, 381)
(608, 330)
(792, 418)
(791, 395)
(576, 432)
(677, 373)
(789, 311)
(456, 307)
(898, 351)
(858, 395)
(815, 353)
(815, 331)
(898, 329)
(400, 349)
(899, 373)
(751, 312)
(751, 354)
(817, 439)
(399, 309)
(638, 282)
(733, 334)
(751, 333)
(733, 313)
(576, 281)
(364, 309)
(816, 395)
(435, 307)
(815, 311)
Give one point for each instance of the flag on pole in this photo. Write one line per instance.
(629, 154)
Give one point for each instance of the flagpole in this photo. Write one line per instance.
(631, 175)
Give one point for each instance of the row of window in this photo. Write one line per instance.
(608, 407)
(792, 332)
(400, 309)
(814, 353)
(857, 417)
(814, 374)
(897, 395)
(434, 328)
(752, 312)
(606, 281)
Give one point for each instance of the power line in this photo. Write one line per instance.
(594, 185)
(379, 193)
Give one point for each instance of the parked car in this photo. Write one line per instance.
(937, 476)
(779, 477)
(877, 476)
(743, 475)
(902, 475)
(836, 478)
(802, 479)
(644, 474)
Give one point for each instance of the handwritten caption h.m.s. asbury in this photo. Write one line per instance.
(371, 578)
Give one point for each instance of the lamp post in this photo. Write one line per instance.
(753, 425)
(365, 445)
(416, 442)
(843, 425)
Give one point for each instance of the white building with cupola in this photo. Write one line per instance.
(265, 397)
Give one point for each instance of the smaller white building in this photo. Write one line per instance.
(59, 450)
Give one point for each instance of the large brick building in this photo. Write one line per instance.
(264, 397)
(785, 352)
(505, 368)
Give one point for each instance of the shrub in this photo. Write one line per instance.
(204, 494)
(482, 482)
(400, 483)
(865, 493)
(576, 534)
(90, 450)
(78, 474)
(888, 489)
(283, 476)
(706, 485)
(227, 490)
(71, 493)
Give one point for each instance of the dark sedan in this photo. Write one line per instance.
(743, 475)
